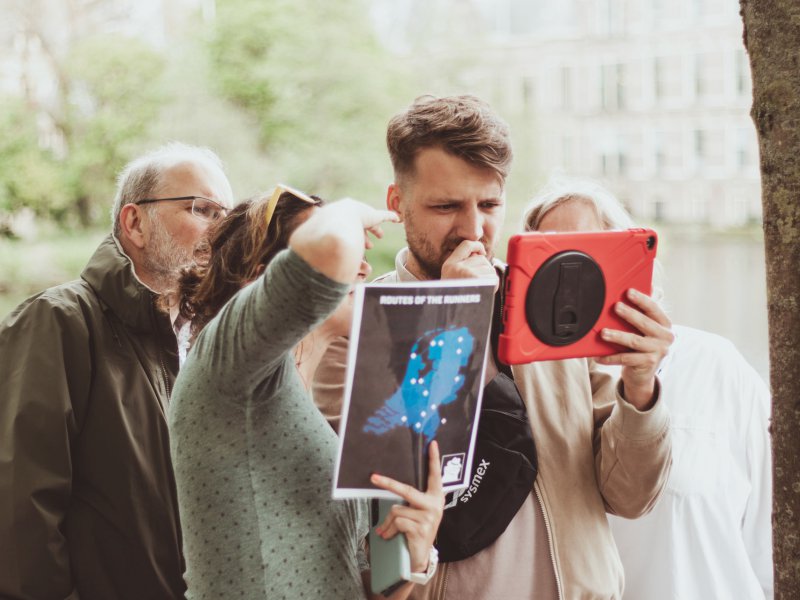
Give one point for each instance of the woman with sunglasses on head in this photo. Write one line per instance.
(253, 457)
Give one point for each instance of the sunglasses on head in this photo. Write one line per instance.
(280, 189)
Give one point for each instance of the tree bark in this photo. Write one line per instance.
(772, 39)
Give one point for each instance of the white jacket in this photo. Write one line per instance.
(710, 535)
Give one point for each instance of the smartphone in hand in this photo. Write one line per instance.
(390, 561)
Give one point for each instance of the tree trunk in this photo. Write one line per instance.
(772, 39)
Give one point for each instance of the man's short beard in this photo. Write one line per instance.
(431, 259)
(164, 258)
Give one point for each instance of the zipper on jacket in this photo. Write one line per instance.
(440, 590)
(167, 387)
(549, 538)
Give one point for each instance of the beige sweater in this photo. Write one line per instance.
(596, 453)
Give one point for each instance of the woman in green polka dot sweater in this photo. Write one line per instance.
(253, 457)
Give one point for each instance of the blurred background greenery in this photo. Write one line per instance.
(281, 90)
(296, 91)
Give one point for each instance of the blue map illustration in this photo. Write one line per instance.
(433, 378)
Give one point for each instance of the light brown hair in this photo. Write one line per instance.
(464, 126)
(235, 251)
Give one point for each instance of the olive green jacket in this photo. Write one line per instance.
(87, 495)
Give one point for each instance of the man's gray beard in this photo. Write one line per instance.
(164, 258)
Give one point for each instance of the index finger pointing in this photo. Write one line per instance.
(434, 468)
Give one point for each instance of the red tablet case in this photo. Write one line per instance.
(546, 321)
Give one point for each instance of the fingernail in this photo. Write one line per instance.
(375, 478)
(634, 293)
(620, 307)
(605, 333)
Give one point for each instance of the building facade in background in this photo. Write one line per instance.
(650, 96)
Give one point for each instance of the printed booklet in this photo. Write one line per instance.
(414, 374)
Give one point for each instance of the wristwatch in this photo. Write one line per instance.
(423, 578)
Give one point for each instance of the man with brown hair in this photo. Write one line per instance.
(599, 446)
(451, 158)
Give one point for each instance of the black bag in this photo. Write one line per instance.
(504, 468)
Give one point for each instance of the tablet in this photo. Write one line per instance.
(560, 291)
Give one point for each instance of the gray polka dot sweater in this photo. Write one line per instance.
(254, 458)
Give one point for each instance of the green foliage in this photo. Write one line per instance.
(29, 266)
(115, 92)
(110, 95)
(320, 85)
(29, 176)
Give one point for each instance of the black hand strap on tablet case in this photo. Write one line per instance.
(504, 468)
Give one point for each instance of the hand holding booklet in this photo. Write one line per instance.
(415, 374)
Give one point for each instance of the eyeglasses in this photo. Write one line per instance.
(202, 208)
(280, 189)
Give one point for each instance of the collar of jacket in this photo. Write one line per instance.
(110, 274)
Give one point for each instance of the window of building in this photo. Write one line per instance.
(709, 8)
(612, 87)
(658, 77)
(709, 74)
(667, 77)
(659, 157)
(659, 209)
(632, 83)
(709, 145)
(667, 151)
(742, 65)
(528, 93)
(612, 14)
(568, 159)
(746, 148)
(631, 154)
(566, 87)
(659, 8)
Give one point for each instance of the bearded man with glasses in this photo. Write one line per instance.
(88, 506)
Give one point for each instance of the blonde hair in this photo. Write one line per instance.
(235, 251)
(609, 210)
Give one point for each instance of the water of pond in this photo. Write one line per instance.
(718, 283)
